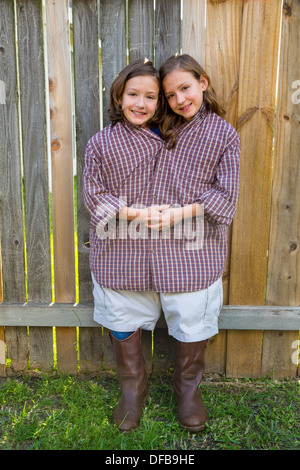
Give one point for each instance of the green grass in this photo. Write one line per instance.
(65, 413)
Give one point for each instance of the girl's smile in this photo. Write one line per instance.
(184, 92)
(140, 99)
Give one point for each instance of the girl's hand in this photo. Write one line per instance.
(132, 213)
(170, 216)
(164, 219)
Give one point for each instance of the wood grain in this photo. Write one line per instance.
(193, 29)
(167, 30)
(60, 88)
(256, 107)
(11, 197)
(87, 110)
(113, 46)
(283, 281)
(141, 29)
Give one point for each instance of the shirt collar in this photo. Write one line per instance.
(199, 116)
(133, 128)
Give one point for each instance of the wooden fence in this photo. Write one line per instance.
(55, 73)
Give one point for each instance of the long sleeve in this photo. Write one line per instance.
(220, 200)
(101, 204)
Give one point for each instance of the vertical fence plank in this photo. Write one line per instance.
(34, 141)
(164, 351)
(193, 29)
(60, 84)
(278, 360)
(256, 102)
(222, 60)
(2, 336)
(113, 44)
(283, 282)
(167, 30)
(141, 29)
(87, 110)
(2, 353)
(12, 229)
(59, 65)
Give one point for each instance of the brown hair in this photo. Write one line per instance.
(186, 63)
(139, 67)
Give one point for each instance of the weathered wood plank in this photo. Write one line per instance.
(41, 348)
(11, 204)
(60, 86)
(164, 351)
(91, 349)
(35, 164)
(141, 29)
(11, 211)
(2, 337)
(278, 358)
(17, 343)
(167, 30)
(215, 354)
(193, 29)
(283, 281)
(34, 143)
(113, 46)
(87, 110)
(2, 353)
(66, 344)
(232, 317)
(256, 104)
(244, 353)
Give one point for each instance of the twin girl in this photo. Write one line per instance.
(167, 158)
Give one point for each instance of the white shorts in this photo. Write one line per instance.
(190, 316)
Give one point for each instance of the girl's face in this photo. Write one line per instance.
(184, 92)
(140, 99)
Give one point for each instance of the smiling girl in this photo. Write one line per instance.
(119, 164)
(204, 153)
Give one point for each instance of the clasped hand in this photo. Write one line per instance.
(159, 217)
(162, 218)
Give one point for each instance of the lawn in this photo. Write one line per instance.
(68, 413)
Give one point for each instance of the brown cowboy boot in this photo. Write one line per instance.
(133, 380)
(188, 373)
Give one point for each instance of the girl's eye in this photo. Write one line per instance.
(185, 87)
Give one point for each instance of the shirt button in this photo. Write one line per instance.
(152, 251)
(154, 196)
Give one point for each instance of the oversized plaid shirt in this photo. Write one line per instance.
(130, 166)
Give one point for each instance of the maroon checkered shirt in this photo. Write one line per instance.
(130, 166)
